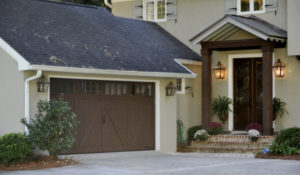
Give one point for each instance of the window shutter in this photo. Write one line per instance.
(137, 10)
(171, 9)
(271, 5)
(230, 6)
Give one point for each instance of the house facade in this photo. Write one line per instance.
(247, 37)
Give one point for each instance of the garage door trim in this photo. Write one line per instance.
(156, 98)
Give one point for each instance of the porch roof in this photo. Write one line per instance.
(229, 25)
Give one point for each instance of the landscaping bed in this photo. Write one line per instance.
(273, 156)
(39, 163)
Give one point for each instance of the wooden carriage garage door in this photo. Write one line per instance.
(114, 116)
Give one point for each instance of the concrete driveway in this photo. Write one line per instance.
(155, 163)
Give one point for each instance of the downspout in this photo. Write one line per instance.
(27, 81)
(107, 4)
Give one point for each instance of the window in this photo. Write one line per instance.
(155, 10)
(250, 6)
(180, 85)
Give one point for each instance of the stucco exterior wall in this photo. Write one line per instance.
(196, 15)
(293, 27)
(168, 112)
(11, 95)
(189, 104)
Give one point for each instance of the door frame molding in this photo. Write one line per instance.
(231, 57)
(157, 96)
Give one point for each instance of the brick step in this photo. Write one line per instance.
(260, 146)
(229, 143)
(239, 138)
(225, 150)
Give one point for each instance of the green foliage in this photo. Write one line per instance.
(192, 130)
(15, 148)
(180, 130)
(53, 128)
(287, 142)
(214, 128)
(202, 137)
(279, 108)
(220, 107)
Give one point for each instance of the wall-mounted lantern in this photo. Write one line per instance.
(170, 89)
(279, 69)
(43, 84)
(219, 71)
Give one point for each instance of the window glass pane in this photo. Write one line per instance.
(179, 84)
(150, 11)
(124, 89)
(161, 10)
(113, 90)
(99, 92)
(119, 89)
(245, 5)
(137, 89)
(258, 5)
(149, 90)
(107, 89)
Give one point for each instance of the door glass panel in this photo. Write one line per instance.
(245, 5)
(161, 9)
(258, 5)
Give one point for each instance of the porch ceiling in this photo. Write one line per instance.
(232, 25)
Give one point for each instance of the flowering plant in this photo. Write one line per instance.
(253, 135)
(201, 135)
(255, 126)
(214, 128)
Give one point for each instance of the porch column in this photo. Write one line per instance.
(206, 86)
(267, 89)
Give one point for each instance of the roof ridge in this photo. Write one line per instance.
(69, 3)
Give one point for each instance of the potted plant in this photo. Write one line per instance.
(253, 135)
(201, 135)
(279, 108)
(214, 128)
(220, 107)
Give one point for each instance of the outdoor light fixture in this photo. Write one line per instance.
(279, 69)
(219, 71)
(170, 89)
(43, 84)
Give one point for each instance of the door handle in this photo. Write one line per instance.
(103, 119)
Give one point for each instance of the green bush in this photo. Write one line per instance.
(15, 148)
(53, 128)
(214, 128)
(287, 142)
(192, 130)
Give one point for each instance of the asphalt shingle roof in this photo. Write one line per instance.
(69, 35)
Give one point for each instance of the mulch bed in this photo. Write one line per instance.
(272, 156)
(40, 163)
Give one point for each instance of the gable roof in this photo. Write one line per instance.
(233, 23)
(78, 36)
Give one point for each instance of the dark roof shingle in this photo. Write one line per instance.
(69, 35)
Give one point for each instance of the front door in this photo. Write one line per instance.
(247, 92)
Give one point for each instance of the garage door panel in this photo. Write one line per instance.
(114, 116)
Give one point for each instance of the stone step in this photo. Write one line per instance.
(228, 145)
(225, 150)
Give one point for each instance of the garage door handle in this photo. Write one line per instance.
(103, 119)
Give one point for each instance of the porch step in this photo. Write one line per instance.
(230, 144)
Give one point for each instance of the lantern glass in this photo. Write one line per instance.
(219, 71)
(43, 84)
(279, 69)
(170, 89)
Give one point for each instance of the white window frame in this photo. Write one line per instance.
(182, 86)
(251, 11)
(155, 11)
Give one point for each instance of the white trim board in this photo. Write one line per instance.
(157, 98)
(230, 80)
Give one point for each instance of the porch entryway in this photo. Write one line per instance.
(248, 92)
(253, 77)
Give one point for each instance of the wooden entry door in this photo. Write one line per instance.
(114, 116)
(248, 92)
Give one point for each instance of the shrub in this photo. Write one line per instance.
(53, 128)
(214, 128)
(287, 142)
(201, 135)
(191, 132)
(279, 108)
(15, 148)
(255, 126)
